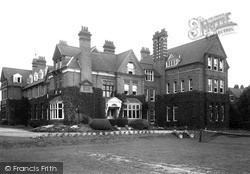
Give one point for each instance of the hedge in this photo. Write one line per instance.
(100, 124)
(139, 124)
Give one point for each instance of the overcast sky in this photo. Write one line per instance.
(30, 27)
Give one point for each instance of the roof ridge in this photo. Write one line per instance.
(210, 37)
(16, 68)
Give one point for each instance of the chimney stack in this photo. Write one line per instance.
(85, 61)
(160, 45)
(38, 63)
(85, 37)
(144, 52)
(109, 47)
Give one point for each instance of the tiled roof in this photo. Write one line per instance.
(9, 72)
(34, 83)
(194, 51)
(102, 61)
(67, 50)
(236, 92)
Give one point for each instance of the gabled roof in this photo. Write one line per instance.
(7, 73)
(148, 63)
(194, 51)
(101, 61)
(67, 50)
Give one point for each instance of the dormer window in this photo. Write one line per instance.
(172, 61)
(17, 78)
(40, 74)
(130, 68)
(30, 79)
(35, 76)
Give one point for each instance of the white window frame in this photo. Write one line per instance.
(216, 85)
(17, 78)
(168, 88)
(152, 95)
(35, 76)
(167, 114)
(31, 78)
(190, 85)
(134, 89)
(146, 94)
(222, 86)
(54, 111)
(182, 85)
(222, 113)
(134, 109)
(40, 74)
(217, 112)
(215, 64)
(221, 65)
(130, 68)
(210, 107)
(174, 113)
(209, 62)
(175, 86)
(126, 89)
(149, 75)
(210, 85)
(4, 94)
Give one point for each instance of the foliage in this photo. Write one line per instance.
(112, 121)
(18, 111)
(121, 122)
(244, 105)
(139, 124)
(192, 109)
(234, 115)
(100, 124)
(88, 104)
(141, 98)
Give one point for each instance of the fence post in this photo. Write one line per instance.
(200, 136)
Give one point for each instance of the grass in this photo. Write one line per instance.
(136, 154)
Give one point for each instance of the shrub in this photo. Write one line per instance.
(113, 121)
(100, 124)
(37, 123)
(121, 122)
(139, 124)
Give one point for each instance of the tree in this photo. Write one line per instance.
(244, 105)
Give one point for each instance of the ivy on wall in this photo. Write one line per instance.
(191, 110)
(89, 104)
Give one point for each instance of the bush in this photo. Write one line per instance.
(139, 124)
(113, 121)
(37, 123)
(121, 122)
(100, 124)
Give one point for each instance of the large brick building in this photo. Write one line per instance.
(197, 66)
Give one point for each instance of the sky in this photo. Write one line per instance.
(34, 27)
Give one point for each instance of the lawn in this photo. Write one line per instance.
(136, 154)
